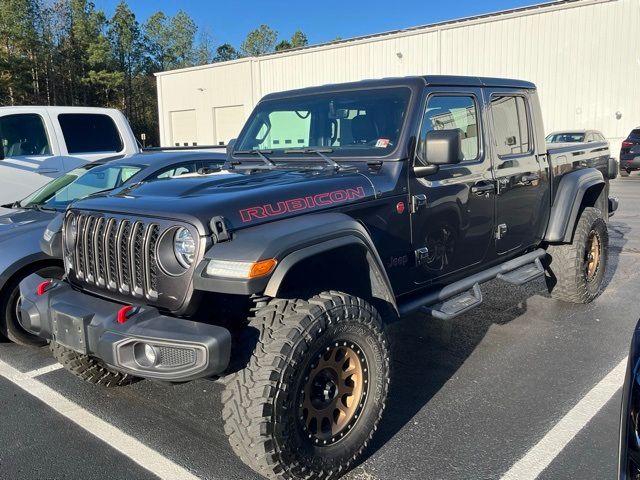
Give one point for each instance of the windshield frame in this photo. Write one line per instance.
(340, 155)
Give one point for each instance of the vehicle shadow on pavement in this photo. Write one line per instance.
(427, 352)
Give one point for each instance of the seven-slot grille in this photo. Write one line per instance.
(117, 254)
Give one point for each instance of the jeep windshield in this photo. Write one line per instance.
(79, 183)
(362, 123)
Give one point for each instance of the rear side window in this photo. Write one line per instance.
(511, 125)
(23, 134)
(89, 133)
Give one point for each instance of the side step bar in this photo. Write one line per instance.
(461, 296)
(461, 303)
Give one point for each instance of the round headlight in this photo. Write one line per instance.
(71, 233)
(184, 246)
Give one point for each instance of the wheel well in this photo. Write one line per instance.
(595, 196)
(346, 269)
(30, 268)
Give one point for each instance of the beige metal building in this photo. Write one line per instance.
(584, 56)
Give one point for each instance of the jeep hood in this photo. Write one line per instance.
(243, 198)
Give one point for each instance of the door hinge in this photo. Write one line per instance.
(501, 231)
(422, 255)
(417, 202)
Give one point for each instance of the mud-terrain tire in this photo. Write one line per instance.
(285, 359)
(10, 304)
(575, 271)
(90, 369)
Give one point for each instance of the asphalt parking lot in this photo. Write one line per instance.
(511, 390)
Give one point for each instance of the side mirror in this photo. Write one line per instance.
(440, 147)
(230, 146)
(443, 147)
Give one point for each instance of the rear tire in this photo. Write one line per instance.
(90, 369)
(10, 304)
(294, 409)
(575, 271)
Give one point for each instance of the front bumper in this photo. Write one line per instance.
(183, 350)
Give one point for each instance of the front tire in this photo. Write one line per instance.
(575, 272)
(90, 369)
(312, 389)
(10, 307)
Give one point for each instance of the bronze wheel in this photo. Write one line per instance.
(334, 392)
(310, 397)
(576, 271)
(593, 253)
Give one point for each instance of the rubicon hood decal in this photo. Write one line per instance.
(301, 203)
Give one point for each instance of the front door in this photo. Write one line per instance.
(453, 209)
(520, 200)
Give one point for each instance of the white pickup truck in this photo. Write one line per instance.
(41, 143)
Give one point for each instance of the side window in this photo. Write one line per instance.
(175, 171)
(511, 125)
(454, 113)
(89, 133)
(23, 134)
(590, 138)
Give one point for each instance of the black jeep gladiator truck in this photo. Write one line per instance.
(339, 208)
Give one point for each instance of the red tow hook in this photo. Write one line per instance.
(124, 313)
(43, 287)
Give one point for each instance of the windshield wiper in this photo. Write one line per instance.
(261, 154)
(321, 153)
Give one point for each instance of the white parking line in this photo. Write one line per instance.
(41, 371)
(144, 456)
(543, 453)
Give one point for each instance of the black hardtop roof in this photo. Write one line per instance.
(411, 81)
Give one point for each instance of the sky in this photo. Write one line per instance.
(229, 21)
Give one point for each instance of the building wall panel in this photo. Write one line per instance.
(582, 55)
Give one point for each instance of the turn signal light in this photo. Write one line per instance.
(263, 267)
(43, 287)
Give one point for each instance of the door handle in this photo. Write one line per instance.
(530, 178)
(482, 188)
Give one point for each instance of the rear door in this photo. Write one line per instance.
(453, 214)
(87, 137)
(521, 207)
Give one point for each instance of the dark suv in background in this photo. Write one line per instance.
(630, 152)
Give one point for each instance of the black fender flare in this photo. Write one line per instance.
(290, 241)
(567, 203)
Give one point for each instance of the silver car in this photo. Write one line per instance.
(23, 224)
